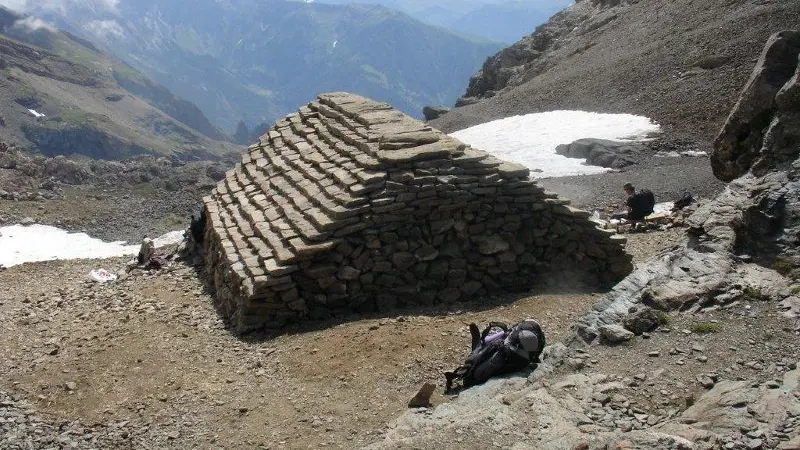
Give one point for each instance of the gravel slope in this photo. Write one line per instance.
(644, 57)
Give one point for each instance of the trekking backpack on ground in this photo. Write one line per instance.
(684, 201)
(503, 351)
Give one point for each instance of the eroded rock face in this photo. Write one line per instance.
(351, 205)
(742, 137)
(557, 413)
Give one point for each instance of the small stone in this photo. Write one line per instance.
(70, 386)
(755, 444)
(601, 398)
(702, 358)
(654, 354)
(615, 334)
(173, 435)
(705, 381)
(423, 397)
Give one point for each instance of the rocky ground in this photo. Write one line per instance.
(147, 363)
(667, 177)
(112, 200)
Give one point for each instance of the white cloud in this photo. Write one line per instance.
(31, 23)
(104, 28)
(16, 5)
(62, 6)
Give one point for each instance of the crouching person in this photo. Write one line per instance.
(496, 353)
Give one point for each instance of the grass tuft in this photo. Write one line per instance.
(784, 266)
(705, 328)
(663, 318)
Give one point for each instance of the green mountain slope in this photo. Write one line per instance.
(61, 95)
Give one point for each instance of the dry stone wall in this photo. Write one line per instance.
(349, 205)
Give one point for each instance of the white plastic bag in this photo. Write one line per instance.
(102, 276)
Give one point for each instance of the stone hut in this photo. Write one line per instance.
(350, 205)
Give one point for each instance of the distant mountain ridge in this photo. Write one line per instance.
(681, 63)
(499, 20)
(258, 60)
(62, 95)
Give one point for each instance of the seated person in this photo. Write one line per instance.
(639, 204)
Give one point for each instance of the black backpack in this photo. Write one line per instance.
(500, 354)
(647, 199)
(198, 227)
(684, 201)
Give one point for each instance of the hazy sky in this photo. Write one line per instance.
(59, 5)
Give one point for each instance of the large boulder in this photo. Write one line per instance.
(602, 152)
(433, 112)
(742, 137)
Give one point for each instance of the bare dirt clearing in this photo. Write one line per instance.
(151, 354)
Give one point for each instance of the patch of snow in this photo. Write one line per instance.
(20, 244)
(662, 207)
(531, 139)
(171, 238)
(675, 154)
(694, 153)
(334, 43)
(35, 113)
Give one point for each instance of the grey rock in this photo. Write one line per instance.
(614, 334)
(642, 321)
(740, 140)
(434, 112)
(602, 152)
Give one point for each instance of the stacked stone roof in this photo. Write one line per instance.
(349, 204)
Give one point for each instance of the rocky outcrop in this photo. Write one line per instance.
(742, 137)
(351, 205)
(602, 152)
(499, 70)
(433, 112)
(23, 175)
(580, 411)
(746, 239)
(82, 140)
